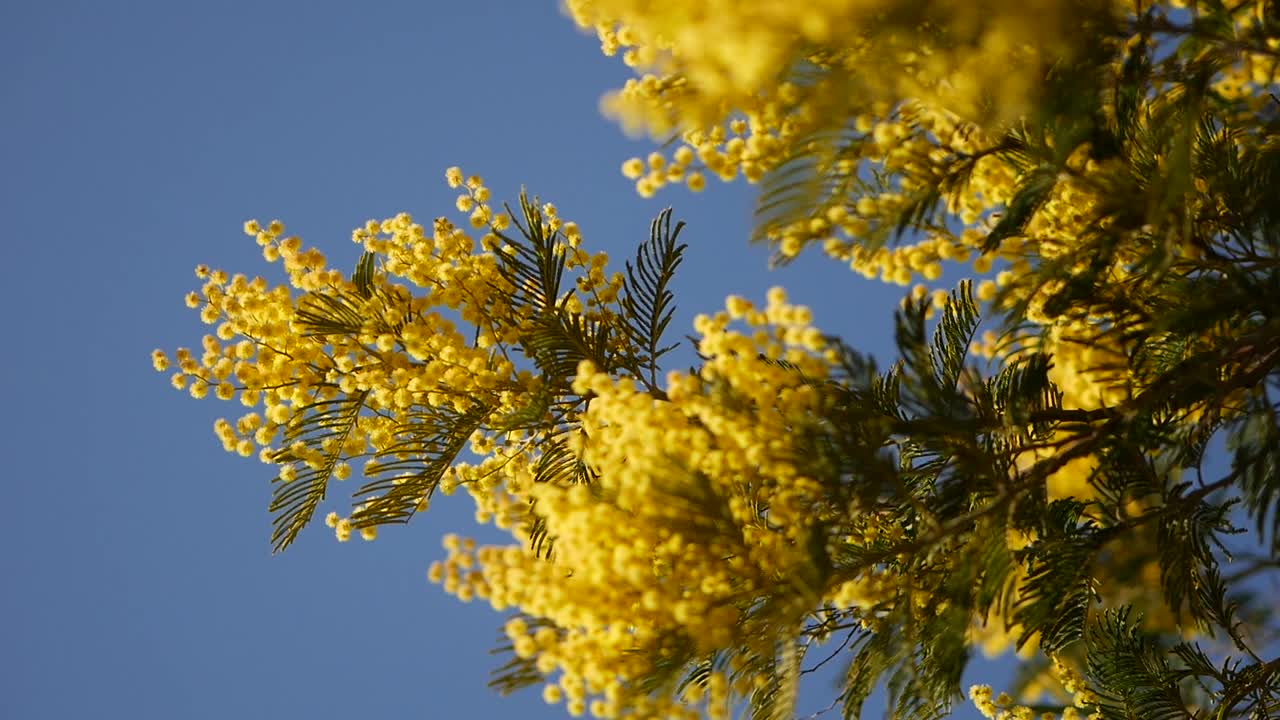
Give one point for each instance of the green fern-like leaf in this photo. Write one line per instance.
(1055, 596)
(777, 681)
(1132, 676)
(647, 300)
(1186, 538)
(517, 672)
(930, 370)
(529, 416)
(874, 654)
(363, 276)
(1032, 191)
(959, 321)
(321, 314)
(408, 470)
(1255, 444)
(534, 264)
(995, 587)
(560, 466)
(321, 427)
(810, 176)
(559, 340)
(555, 339)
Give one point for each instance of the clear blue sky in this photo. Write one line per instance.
(135, 138)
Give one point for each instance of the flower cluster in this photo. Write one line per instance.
(702, 506)
(1071, 686)
(748, 88)
(430, 333)
(703, 500)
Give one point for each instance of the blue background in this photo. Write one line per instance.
(135, 138)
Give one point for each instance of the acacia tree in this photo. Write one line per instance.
(682, 539)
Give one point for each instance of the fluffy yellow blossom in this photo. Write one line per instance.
(1003, 706)
(920, 106)
(262, 349)
(633, 561)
